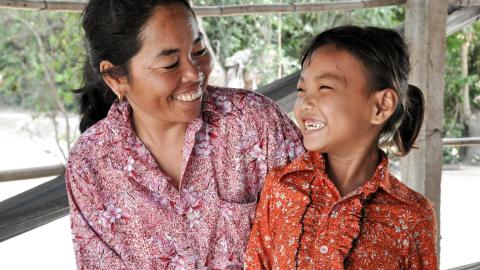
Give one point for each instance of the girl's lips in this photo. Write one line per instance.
(313, 125)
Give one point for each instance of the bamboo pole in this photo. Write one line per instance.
(218, 11)
(461, 141)
(31, 173)
(43, 5)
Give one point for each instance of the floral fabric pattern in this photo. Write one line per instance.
(302, 222)
(124, 212)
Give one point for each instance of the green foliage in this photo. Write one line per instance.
(39, 59)
(454, 126)
(260, 33)
(42, 54)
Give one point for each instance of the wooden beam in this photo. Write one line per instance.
(472, 266)
(231, 10)
(462, 18)
(31, 173)
(217, 11)
(33, 208)
(464, 3)
(425, 33)
(282, 91)
(44, 5)
(461, 141)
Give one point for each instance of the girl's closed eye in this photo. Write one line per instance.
(325, 87)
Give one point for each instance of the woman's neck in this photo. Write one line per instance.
(349, 172)
(156, 133)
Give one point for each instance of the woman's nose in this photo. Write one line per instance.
(192, 71)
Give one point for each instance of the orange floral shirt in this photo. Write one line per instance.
(302, 222)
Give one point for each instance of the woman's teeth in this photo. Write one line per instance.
(314, 125)
(189, 97)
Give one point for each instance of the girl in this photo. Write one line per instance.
(337, 206)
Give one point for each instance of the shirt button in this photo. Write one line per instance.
(323, 249)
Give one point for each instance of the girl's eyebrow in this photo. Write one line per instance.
(331, 76)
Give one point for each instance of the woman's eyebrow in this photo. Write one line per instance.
(199, 38)
(167, 52)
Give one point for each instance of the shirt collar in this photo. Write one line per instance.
(316, 163)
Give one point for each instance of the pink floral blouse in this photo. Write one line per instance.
(126, 215)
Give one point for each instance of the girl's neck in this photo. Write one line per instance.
(352, 171)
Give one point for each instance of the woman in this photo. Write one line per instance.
(169, 178)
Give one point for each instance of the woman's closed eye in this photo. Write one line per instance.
(172, 66)
(200, 53)
(325, 87)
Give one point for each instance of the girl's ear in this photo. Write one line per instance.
(118, 84)
(385, 104)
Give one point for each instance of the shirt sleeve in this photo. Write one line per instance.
(284, 140)
(260, 245)
(91, 251)
(423, 253)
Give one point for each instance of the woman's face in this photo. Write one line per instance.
(169, 74)
(334, 107)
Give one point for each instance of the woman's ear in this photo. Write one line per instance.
(118, 84)
(385, 104)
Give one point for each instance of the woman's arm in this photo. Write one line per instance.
(91, 251)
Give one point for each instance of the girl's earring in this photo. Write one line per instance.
(120, 98)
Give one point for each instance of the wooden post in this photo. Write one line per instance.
(425, 24)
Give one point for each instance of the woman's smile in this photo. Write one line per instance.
(190, 95)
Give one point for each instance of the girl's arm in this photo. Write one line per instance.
(423, 253)
(260, 245)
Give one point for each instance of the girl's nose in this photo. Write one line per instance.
(307, 102)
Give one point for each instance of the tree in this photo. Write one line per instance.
(39, 66)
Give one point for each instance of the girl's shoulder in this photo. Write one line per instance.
(415, 202)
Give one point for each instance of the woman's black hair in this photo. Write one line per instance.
(113, 33)
(385, 57)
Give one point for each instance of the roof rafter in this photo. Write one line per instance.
(217, 11)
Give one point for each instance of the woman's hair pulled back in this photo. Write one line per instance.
(112, 32)
(385, 58)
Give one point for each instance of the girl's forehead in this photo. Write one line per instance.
(331, 59)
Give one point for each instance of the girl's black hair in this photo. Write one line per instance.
(385, 57)
(112, 32)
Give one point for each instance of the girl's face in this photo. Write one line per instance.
(334, 106)
(170, 72)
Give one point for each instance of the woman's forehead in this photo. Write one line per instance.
(170, 25)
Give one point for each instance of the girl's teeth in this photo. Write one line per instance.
(314, 126)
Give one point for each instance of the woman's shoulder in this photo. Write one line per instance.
(91, 144)
(233, 99)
